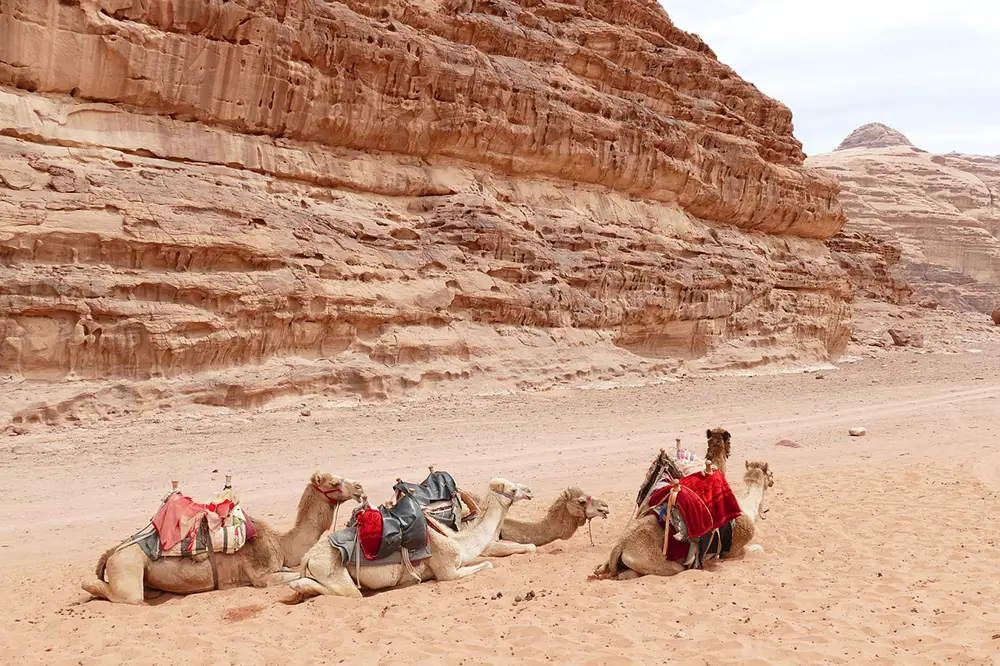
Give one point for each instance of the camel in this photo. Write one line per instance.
(262, 562)
(639, 550)
(569, 512)
(324, 572)
(719, 448)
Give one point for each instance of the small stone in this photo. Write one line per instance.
(517, 599)
(306, 412)
(530, 595)
(789, 443)
(857, 432)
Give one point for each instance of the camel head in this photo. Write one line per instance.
(758, 474)
(337, 489)
(509, 489)
(582, 505)
(718, 442)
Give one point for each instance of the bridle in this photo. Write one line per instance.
(333, 499)
(502, 493)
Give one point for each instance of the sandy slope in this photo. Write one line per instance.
(879, 549)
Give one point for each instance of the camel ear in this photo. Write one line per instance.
(725, 435)
(708, 433)
(318, 479)
(748, 463)
(765, 468)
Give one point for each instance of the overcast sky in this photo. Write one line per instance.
(929, 68)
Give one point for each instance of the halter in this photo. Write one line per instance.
(327, 493)
(502, 493)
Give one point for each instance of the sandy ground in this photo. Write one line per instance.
(879, 549)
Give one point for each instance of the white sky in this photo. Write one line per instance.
(928, 68)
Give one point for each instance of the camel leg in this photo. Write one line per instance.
(743, 532)
(446, 559)
(648, 561)
(451, 572)
(324, 573)
(125, 571)
(275, 578)
(499, 548)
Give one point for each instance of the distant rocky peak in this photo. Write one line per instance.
(874, 135)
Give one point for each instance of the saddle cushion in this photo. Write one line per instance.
(438, 486)
(370, 532)
(437, 495)
(403, 526)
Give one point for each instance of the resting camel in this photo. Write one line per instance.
(568, 513)
(324, 572)
(262, 562)
(639, 550)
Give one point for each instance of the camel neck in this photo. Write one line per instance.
(753, 497)
(473, 540)
(314, 518)
(557, 524)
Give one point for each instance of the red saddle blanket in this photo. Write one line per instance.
(179, 517)
(706, 502)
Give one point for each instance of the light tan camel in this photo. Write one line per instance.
(262, 562)
(639, 550)
(568, 513)
(324, 572)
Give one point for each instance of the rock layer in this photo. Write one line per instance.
(228, 202)
(941, 212)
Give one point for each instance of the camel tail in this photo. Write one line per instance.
(103, 562)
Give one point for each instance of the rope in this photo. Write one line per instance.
(590, 530)
(409, 565)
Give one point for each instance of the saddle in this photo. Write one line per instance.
(386, 535)
(188, 528)
(440, 497)
(696, 510)
(387, 530)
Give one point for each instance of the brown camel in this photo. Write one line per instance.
(324, 572)
(718, 448)
(639, 550)
(262, 562)
(568, 513)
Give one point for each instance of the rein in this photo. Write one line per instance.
(590, 519)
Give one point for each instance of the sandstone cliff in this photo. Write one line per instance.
(228, 202)
(939, 213)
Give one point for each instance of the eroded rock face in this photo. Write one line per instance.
(228, 202)
(942, 213)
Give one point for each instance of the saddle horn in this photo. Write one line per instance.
(229, 482)
(430, 469)
(174, 485)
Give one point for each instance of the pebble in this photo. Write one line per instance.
(857, 432)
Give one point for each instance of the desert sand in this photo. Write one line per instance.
(879, 549)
